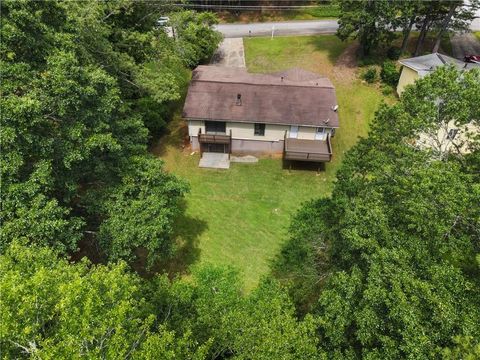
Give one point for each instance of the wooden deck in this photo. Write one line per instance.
(308, 150)
(215, 140)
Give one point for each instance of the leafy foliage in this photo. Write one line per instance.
(83, 83)
(79, 310)
(370, 75)
(140, 211)
(389, 73)
(399, 235)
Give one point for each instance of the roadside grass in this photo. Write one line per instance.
(326, 11)
(240, 216)
(477, 35)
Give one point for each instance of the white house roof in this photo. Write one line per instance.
(425, 64)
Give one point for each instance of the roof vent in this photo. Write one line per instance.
(239, 99)
(335, 108)
(326, 121)
(281, 79)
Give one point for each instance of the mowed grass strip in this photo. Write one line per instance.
(241, 216)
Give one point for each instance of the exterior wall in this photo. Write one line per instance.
(437, 140)
(407, 77)
(194, 143)
(245, 131)
(194, 126)
(245, 142)
(246, 147)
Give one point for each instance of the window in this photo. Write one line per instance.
(452, 133)
(259, 130)
(321, 134)
(215, 127)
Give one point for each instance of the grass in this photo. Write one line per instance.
(240, 216)
(326, 11)
(477, 35)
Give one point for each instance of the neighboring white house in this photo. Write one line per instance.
(420, 66)
(448, 137)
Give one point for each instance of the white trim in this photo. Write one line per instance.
(267, 123)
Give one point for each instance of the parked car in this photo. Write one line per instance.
(472, 59)
(163, 21)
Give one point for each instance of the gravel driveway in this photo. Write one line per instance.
(230, 53)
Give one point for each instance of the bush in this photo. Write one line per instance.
(370, 75)
(393, 53)
(389, 73)
(387, 90)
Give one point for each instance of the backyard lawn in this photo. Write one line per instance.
(240, 216)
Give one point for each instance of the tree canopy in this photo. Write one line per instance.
(83, 85)
(396, 243)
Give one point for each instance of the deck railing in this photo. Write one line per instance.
(214, 138)
(308, 155)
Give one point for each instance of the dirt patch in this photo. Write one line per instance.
(345, 67)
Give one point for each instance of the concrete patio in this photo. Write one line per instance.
(214, 161)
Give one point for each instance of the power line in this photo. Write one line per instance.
(239, 7)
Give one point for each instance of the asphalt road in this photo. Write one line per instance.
(308, 27)
(280, 28)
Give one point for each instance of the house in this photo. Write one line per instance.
(293, 113)
(447, 137)
(420, 66)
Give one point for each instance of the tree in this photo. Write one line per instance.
(399, 235)
(260, 325)
(83, 83)
(443, 101)
(52, 309)
(139, 212)
(369, 21)
(444, 16)
(194, 39)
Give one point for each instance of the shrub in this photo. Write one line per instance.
(387, 90)
(370, 75)
(393, 53)
(389, 73)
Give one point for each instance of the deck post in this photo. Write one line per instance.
(199, 142)
(230, 146)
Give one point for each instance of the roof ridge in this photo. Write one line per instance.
(270, 84)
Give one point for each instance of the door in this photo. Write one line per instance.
(216, 148)
(321, 134)
(215, 127)
(293, 131)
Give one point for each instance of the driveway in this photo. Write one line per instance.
(465, 44)
(230, 53)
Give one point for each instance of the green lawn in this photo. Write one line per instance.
(477, 34)
(326, 11)
(240, 216)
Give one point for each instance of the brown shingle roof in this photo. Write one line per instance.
(300, 98)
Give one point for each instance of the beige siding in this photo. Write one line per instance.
(194, 125)
(407, 77)
(307, 133)
(245, 131)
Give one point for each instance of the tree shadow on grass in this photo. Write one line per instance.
(303, 166)
(175, 135)
(187, 231)
(333, 46)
